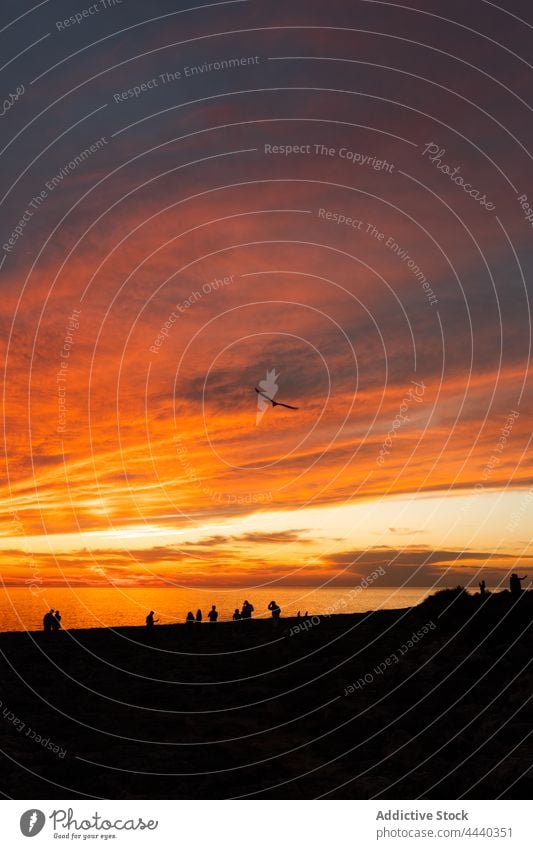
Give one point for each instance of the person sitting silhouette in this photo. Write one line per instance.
(213, 614)
(150, 621)
(56, 624)
(236, 628)
(482, 588)
(515, 584)
(198, 615)
(275, 608)
(48, 621)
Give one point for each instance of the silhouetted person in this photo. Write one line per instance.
(198, 615)
(48, 621)
(189, 621)
(150, 621)
(298, 615)
(246, 615)
(515, 584)
(213, 614)
(56, 624)
(275, 608)
(247, 610)
(236, 628)
(482, 588)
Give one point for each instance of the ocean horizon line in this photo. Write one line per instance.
(239, 587)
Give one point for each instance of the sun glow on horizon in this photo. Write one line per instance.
(465, 531)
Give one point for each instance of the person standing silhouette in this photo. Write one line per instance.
(48, 621)
(275, 608)
(482, 588)
(198, 615)
(57, 621)
(276, 613)
(515, 584)
(213, 614)
(247, 610)
(246, 615)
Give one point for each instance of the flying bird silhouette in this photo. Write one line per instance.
(274, 403)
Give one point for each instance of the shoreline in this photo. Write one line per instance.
(492, 597)
(264, 620)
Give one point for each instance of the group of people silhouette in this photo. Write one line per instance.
(515, 585)
(52, 621)
(245, 614)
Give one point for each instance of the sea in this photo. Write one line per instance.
(22, 609)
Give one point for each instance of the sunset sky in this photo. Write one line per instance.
(196, 243)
